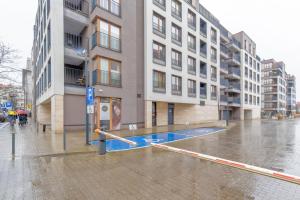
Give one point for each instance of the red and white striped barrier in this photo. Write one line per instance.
(116, 137)
(242, 166)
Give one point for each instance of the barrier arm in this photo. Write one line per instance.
(116, 137)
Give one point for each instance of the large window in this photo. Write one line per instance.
(176, 85)
(191, 42)
(108, 72)
(203, 90)
(160, 3)
(203, 69)
(176, 59)
(203, 27)
(213, 73)
(110, 36)
(213, 92)
(176, 34)
(49, 73)
(203, 49)
(191, 65)
(191, 19)
(112, 6)
(158, 24)
(213, 35)
(159, 81)
(159, 53)
(213, 54)
(176, 9)
(191, 88)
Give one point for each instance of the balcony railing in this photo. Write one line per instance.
(235, 86)
(80, 6)
(176, 38)
(160, 3)
(107, 41)
(234, 100)
(192, 92)
(224, 82)
(109, 5)
(176, 63)
(224, 49)
(224, 66)
(73, 41)
(223, 98)
(158, 28)
(107, 78)
(192, 69)
(74, 76)
(176, 13)
(234, 71)
(176, 89)
(192, 46)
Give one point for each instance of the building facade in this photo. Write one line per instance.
(27, 85)
(290, 95)
(151, 63)
(273, 88)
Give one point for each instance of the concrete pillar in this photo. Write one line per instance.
(57, 114)
(162, 113)
(148, 114)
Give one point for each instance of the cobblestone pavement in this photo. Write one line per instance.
(156, 174)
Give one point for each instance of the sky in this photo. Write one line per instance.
(272, 24)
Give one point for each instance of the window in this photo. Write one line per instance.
(108, 72)
(213, 73)
(160, 3)
(203, 69)
(110, 36)
(250, 99)
(246, 98)
(191, 19)
(213, 54)
(191, 88)
(49, 36)
(112, 6)
(159, 52)
(159, 82)
(213, 35)
(176, 59)
(258, 101)
(45, 79)
(158, 24)
(191, 65)
(191, 42)
(176, 85)
(213, 92)
(250, 74)
(258, 89)
(176, 9)
(250, 87)
(246, 58)
(250, 63)
(176, 34)
(246, 72)
(246, 85)
(203, 90)
(49, 73)
(203, 27)
(203, 49)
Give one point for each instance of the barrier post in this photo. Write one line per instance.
(102, 144)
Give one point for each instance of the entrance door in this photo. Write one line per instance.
(154, 114)
(170, 114)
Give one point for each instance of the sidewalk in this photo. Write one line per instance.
(30, 143)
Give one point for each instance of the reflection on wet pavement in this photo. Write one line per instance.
(151, 173)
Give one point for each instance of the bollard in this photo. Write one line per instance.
(102, 144)
(44, 128)
(13, 143)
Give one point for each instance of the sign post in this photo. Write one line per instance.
(89, 110)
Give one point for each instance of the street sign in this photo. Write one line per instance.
(90, 109)
(90, 96)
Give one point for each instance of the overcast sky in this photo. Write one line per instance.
(272, 24)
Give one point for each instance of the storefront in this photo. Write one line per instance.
(108, 115)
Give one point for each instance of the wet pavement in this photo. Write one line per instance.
(152, 173)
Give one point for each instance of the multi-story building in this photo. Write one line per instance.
(290, 94)
(151, 62)
(240, 93)
(27, 85)
(298, 108)
(273, 88)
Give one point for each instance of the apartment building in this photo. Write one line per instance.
(240, 80)
(273, 88)
(290, 95)
(181, 64)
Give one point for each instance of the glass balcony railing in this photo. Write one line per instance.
(107, 41)
(234, 71)
(107, 78)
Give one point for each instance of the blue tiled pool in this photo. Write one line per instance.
(146, 140)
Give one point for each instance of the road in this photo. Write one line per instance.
(152, 173)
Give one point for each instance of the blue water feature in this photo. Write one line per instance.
(159, 138)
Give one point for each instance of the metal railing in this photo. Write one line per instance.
(234, 86)
(73, 41)
(80, 6)
(234, 71)
(192, 69)
(106, 41)
(234, 100)
(224, 82)
(192, 46)
(160, 3)
(176, 12)
(176, 37)
(176, 89)
(74, 76)
(192, 92)
(223, 98)
(159, 28)
(108, 78)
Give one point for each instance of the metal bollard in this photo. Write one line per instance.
(13, 142)
(102, 144)
(44, 128)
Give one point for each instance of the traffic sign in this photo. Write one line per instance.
(90, 96)
(90, 109)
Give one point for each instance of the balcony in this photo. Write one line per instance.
(223, 99)
(234, 88)
(234, 101)
(224, 82)
(106, 41)
(234, 59)
(224, 51)
(224, 67)
(106, 78)
(110, 6)
(234, 73)
(74, 44)
(234, 45)
(74, 77)
(79, 6)
(76, 14)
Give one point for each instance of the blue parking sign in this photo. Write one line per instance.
(90, 96)
(8, 104)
